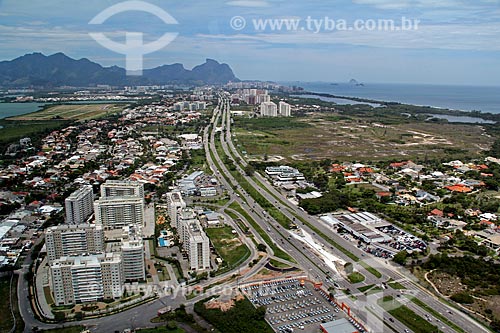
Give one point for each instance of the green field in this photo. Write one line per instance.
(72, 112)
(14, 130)
(318, 136)
(356, 277)
(6, 322)
(228, 245)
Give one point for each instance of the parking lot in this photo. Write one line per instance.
(291, 306)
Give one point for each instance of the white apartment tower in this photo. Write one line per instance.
(117, 212)
(86, 278)
(284, 109)
(174, 204)
(133, 259)
(198, 248)
(79, 205)
(121, 188)
(72, 239)
(194, 240)
(268, 109)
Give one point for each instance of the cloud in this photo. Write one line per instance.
(472, 37)
(249, 3)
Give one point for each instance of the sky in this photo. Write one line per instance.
(449, 41)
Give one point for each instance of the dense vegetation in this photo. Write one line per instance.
(478, 275)
(241, 318)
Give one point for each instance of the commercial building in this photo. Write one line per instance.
(86, 278)
(174, 204)
(341, 325)
(117, 212)
(208, 191)
(121, 188)
(66, 240)
(79, 205)
(268, 109)
(284, 109)
(284, 173)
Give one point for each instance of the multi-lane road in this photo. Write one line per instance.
(314, 265)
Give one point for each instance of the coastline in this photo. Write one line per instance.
(419, 109)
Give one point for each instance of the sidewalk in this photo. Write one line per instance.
(42, 280)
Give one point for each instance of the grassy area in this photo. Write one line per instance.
(163, 274)
(371, 269)
(7, 322)
(278, 264)
(228, 245)
(396, 285)
(436, 314)
(198, 161)
(406, 316)
(14, 130)
(152, 247)
(366, 288)
(277, 251)
(72, 112)
(318, 136)
(356, 277)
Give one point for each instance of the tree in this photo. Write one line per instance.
(463, 298)
(59, 316)
(249, 170)
(262, 247)
(400, 258)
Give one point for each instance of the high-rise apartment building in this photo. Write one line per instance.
(194, 240)
(133, 259)
(86, 278)
(284, 109)
(121, 188)
(117, 212)
(73, 239)
(174, 204)
(79, 205)
(268, 109)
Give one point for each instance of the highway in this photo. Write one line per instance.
(386, 268)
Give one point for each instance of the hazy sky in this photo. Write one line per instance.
(456, 42)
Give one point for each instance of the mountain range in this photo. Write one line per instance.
(38, 70)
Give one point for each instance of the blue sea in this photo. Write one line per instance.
(464, 98)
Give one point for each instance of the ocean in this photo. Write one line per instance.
(464, 98)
